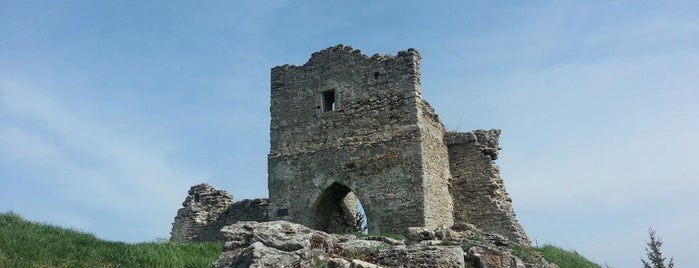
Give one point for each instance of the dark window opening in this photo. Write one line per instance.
(329, 101)
(282, 212)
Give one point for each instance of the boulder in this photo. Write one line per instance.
(360, 249)
(417, 234)
(280, 235)
(277, 244)
(492, 258)
(257, 255)
(421, 256)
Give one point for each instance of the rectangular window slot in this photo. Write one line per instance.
(329, 101)
(282, 212)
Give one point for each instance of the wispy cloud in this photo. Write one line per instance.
(17, 145)
(96, 168)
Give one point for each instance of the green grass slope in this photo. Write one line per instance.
(565, 258)
(553, 254)
(27, 244)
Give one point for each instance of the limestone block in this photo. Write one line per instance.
(257, 255)
(417, 234)
(421, 256)
(280, 235)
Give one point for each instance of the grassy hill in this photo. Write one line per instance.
(27, 244)
(553, 254)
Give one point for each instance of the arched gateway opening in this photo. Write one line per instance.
(337, 211)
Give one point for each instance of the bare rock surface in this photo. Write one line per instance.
(421, 256)
(286, 244)
(280, 235)
(417, 234)
(362, 247)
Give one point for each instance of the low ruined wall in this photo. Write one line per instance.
(478, 190)
(206, 210)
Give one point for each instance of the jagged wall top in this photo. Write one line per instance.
(378, 139)
(485, 140)
(370, 97)
(360, 122)
(411, 53)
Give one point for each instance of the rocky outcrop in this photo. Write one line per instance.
(283, 244)
(286, 244)
(421, 256)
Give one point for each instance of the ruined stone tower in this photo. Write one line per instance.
(348, 127)
(347, 123)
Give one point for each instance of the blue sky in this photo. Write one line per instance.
(110, 110)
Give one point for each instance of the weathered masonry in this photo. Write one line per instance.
(206, 210)
(348, 123)
(348, 128)
(344, 122)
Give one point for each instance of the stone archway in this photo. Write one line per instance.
(336, 210)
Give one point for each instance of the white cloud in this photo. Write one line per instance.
(17, 145)
(90, 165)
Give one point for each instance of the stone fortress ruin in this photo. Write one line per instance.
(348, 127)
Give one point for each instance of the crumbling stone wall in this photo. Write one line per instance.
(477, 188)
(345, 122)
(206, 210)
(346, 128)
(435, 160)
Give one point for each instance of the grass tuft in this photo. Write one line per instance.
(565, 258)
(561, 257)
(387, 235)
(28, 244)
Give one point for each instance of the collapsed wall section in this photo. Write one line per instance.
(206, 210)
(478, 190)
